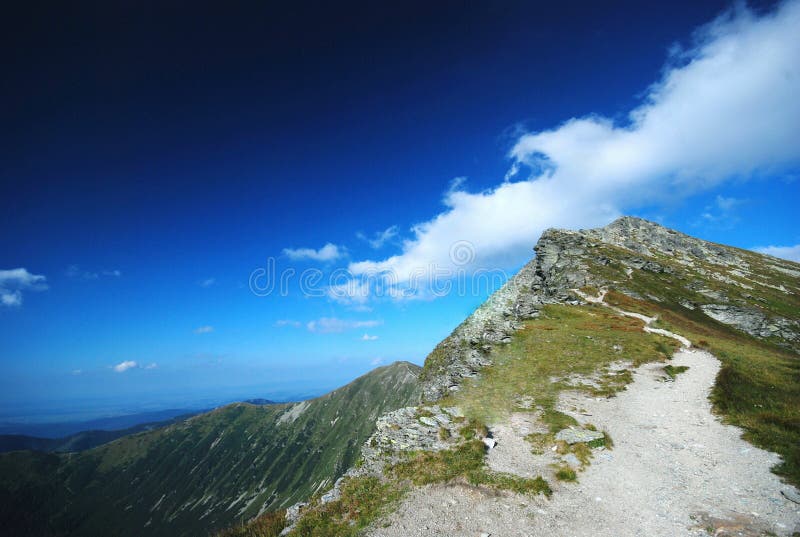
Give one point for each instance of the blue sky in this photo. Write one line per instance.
(153, 158)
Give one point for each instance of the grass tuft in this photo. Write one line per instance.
(673, 371)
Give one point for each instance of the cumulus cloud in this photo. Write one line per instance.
(329, 252)
(204, 329)
(368, 337)
(14, 281)
(208, 282)
(791, 253)
(380, 238)
(725, 108)
(124, 366)
(330, 325)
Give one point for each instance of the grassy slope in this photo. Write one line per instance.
(565, 340)
(214, 469)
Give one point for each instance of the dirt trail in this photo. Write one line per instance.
(675, 470)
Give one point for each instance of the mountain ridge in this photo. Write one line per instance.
(204, 472)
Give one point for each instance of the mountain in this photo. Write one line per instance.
(56, 430)
(581, 318)
(78, 441)
(202, 473)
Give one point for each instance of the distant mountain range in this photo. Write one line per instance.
(85, 439)
(112, 423)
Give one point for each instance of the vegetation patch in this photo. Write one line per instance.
(362, 501)
(465, 461)
(563, 341)
(673, 371)
(565, 473)
(266, 525)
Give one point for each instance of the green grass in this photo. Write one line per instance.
(565, 473)
(565, 340)
(466, 462)
(363, 500)
(673, 371)
(266, 525)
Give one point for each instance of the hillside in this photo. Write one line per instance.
(79, 441)
(202, 473)
(632, 328)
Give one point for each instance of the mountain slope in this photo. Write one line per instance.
(743, 306)
(206, 472)
(78, 441)
(591, 307)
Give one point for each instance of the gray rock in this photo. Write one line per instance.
(575, 435)
(572, 460)
(791, 495)
(430, 422)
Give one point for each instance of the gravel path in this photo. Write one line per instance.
(675, 470)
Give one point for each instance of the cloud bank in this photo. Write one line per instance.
(14, 281)
(726, 108)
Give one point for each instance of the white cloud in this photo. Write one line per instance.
(288, 322)
(792, 253)
(204, 330)
(727, 111)
(722, 213)
(377, 361)
(151, 366)
(353, 292)
(329, 252)
(10, 298)
(76, 272)
(208, 282)
(380, 238)
(367, 337)
(14, 281)
(124, 366)
(77, 371)
(329, 325)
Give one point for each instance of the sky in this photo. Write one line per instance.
(205, 203)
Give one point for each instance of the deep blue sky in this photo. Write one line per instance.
(186, 143)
